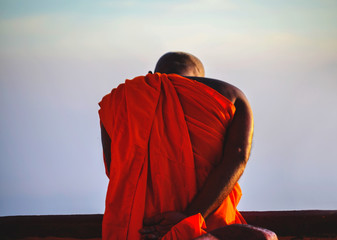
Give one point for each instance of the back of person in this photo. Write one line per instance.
(189, 66)
(180, 149)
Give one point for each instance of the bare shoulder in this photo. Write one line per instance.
(232, 93)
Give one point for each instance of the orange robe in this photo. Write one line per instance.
(167, 133)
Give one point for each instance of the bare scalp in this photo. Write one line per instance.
(181, 63)
(188, 65)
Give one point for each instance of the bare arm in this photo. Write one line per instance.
(106, 143)
(222, 178)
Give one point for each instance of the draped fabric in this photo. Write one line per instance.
(167, 133)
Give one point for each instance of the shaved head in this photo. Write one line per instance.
(181, 63)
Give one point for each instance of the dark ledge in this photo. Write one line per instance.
(313, 224)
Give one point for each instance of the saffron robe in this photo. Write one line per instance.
(167, 133)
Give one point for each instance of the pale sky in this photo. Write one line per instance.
(59, 58)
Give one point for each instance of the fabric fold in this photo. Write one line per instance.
(167, 134)
(188, 229)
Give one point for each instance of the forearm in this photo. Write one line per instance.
(223, 177)
(217, 187)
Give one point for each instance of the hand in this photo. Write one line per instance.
(157, 226)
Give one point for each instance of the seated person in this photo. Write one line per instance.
(174, 149)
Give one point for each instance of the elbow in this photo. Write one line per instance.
(243, 149)
(243, 154)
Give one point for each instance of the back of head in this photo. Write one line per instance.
(180, 63)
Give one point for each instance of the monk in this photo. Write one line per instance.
(175, 145)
